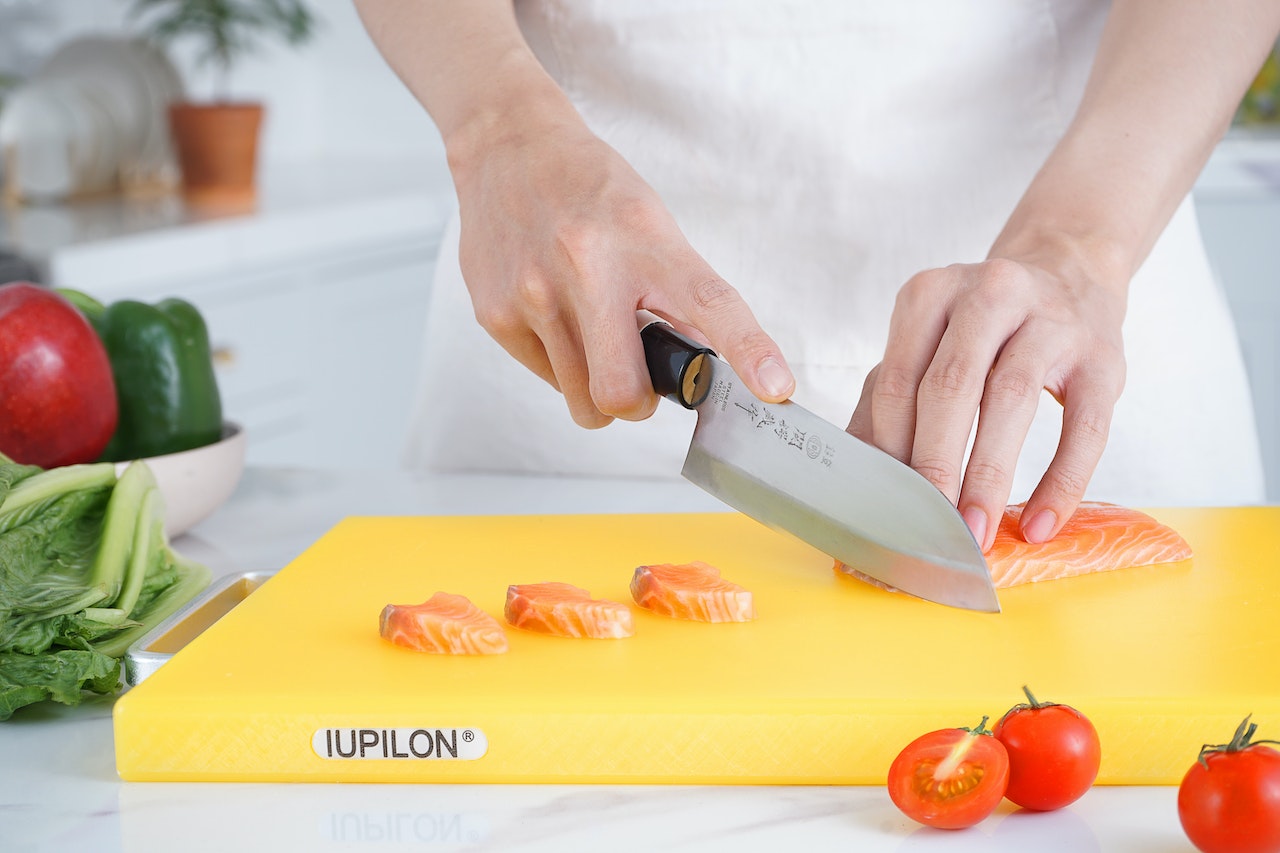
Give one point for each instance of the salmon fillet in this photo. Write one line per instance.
(444, 624)
(692, 591)
(1099, 537)
(565, 610)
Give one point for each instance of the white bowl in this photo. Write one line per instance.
(196, 482)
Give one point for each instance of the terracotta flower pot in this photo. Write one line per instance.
(217, 148)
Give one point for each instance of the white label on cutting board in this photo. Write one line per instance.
(354, 743)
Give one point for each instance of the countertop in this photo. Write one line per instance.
(306, 206)
(59, 790)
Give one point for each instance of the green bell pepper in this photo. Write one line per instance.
(166, 389)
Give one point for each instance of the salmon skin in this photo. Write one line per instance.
(565, 610)
(444, 624)
(692, 591)
(1099, 537)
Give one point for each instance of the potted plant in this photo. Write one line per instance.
(217, 141)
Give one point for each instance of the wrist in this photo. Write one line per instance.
(519, 102)
(1099, 256)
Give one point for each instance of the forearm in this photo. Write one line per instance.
(467, 63)
(1162, 91)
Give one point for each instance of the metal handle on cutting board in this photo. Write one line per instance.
(675, 362)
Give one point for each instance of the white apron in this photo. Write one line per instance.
(818, 154)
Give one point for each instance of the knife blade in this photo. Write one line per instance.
(793, 471)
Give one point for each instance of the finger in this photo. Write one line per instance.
(1008, 407)
(860, 422)
(713, 306)
(619, 379)
(1086, 421)
(915, 328)
(526, 347)
(569, 363)
(951, 390)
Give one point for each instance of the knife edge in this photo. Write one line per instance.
(916, 573)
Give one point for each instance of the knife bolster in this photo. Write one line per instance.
(675, 364)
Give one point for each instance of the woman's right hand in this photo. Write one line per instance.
(562, 242)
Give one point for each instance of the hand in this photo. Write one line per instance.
(983, 339)
(562, 242)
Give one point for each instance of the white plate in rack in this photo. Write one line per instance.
(114, 75)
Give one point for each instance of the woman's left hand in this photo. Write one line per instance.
(982, 340)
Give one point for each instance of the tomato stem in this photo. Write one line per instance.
(947, 767)
(1035, 704)
(1240, 741)
(980, 729)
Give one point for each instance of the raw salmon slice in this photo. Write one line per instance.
(565, 610)
(691, 591)
(1099, 537)
(444, 624)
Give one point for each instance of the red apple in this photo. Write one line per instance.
(57, 395)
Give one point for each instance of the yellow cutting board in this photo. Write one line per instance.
(826, 686)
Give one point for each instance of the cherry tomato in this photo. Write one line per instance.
(1054, 753)
(1229, 801)
(951, 778)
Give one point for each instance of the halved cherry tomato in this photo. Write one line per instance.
(1229, 801)
(1054, 753)
(950, 778)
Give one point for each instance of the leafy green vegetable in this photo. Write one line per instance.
(62, 676)
(85, 569)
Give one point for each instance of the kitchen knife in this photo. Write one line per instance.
(791, 470)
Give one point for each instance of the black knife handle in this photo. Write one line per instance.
(676, 365)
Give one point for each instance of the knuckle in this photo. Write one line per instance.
(920, 292)
(1009, 384)
(637, 214)
(584, 412)
(987, 476)
(1068, 482)
(750, 346)
(894, 385)
(937, 471)
(576, 239)
(536, 292)
(714, 295)
(619, 399)
(1090, 427)
(950, 379)
(1000, 283)
(1002, 272)
(498, 318)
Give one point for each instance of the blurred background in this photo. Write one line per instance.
(331, 96)
(339, 215)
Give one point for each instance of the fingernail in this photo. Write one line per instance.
(1040, 527)
(977, 521)
(774, 378)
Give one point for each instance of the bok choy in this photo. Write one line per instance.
(85, 570)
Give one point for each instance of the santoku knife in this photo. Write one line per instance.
(789, 469)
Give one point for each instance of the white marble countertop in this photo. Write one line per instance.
(312, 206)
(59, 790)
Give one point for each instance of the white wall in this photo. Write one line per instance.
(333, 98)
